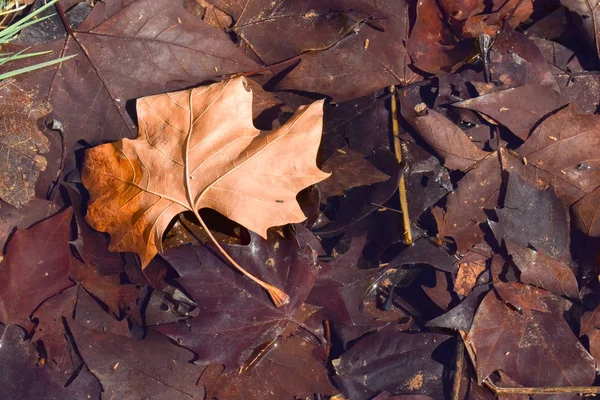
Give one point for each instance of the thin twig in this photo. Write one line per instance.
(460, 361)
(504, 391)
(63, 18)
(408, 240)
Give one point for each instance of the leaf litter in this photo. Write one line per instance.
(119, 280)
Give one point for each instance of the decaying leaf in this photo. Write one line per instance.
(198, 148)
(21, 144)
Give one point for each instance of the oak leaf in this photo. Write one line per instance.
(198, 148)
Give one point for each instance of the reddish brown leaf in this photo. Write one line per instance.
(467, 276)
(107, 288)
(588, 20)
(431, 45)
(12, 218)
(535, 347)
(586, 213)
(477, 190)
(539, 269)
(139, 369)
(35, 267)
(590, 327)
(446, 139)
(184, 160)
(565, 149)
(518, 109)
(51, 331)
(292, 368)
(90, 314)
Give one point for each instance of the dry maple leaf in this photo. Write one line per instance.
(198, 148)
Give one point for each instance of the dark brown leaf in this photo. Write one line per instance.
(518, 109)
(139, 369)
(51, 331)
(360, 63)
(588, 16)
(538, 269)
(236, 315)
(478, 190)
(22, 378)
(431, 44)
(292, 368)
(586, 213)
(590, 327)
(533, 217)
(35, 267)
(447, 140)
(392, 361)
(564, 150)
(348, 169)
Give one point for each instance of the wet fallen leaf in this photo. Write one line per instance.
(200, 165)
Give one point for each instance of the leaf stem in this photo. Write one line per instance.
(278, 296)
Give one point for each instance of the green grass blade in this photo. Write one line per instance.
(19, 56)
(19, 71)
